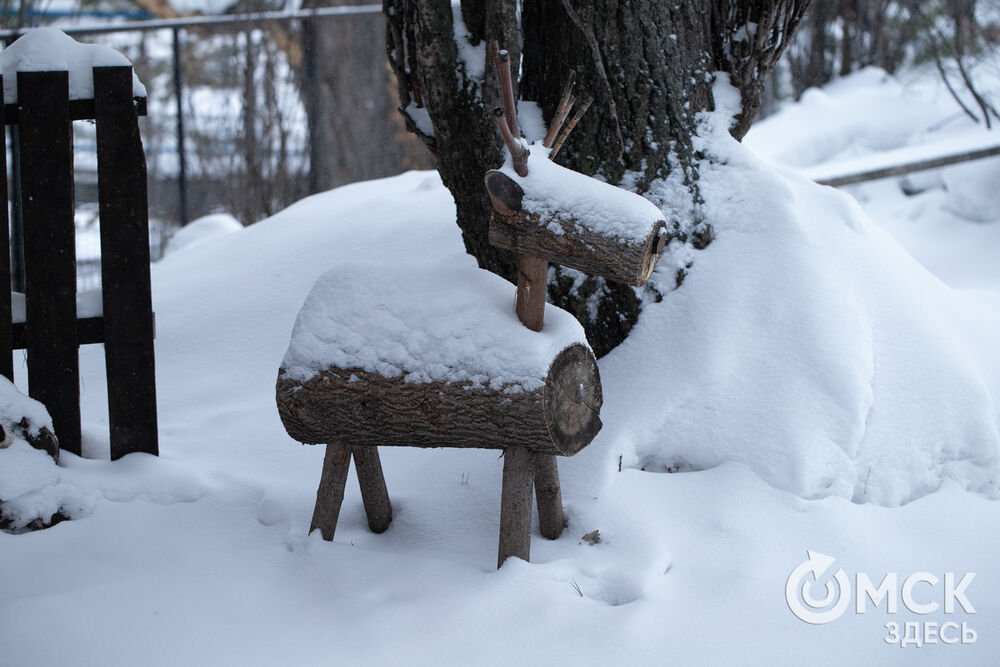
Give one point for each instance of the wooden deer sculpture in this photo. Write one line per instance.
(544, 213)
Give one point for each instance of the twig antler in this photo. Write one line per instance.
(506, 116)
(516, 146)
(507, 85)
(569, 127)
(565, 104)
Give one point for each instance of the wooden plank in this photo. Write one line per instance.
(373, 491)
(46, 150)
(128, 304)
(88, 330)
(515, 504)
(6, 333)
(908, 168)
(330, 494)
(78, 110)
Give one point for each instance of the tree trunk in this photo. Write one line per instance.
(648, 65)
(356, 132)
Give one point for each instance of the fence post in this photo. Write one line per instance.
(46, 152)
(128, 305)
(6, 328)
(16, 224)
(313, 124)
(181, 156)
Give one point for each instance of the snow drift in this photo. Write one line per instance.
(205, 227)
(808, 345)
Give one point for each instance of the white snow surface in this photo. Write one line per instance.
(421, 118)
(473, 58)
(565, 197)
(201, 229)
(859, 115)
(803, 344)
(50, 49)
(29, 478)
(428, 324)
(531, 121)
(15, 406)
(877, 120)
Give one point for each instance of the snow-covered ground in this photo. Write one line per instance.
(810, 387)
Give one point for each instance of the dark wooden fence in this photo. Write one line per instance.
(44, 198)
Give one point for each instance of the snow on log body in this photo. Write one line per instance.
(575, 221)
(358, 408)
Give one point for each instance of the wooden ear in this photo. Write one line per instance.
(503, 191)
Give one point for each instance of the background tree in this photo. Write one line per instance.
(647, 63)
(355, 132)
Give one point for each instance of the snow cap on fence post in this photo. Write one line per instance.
(52, 50)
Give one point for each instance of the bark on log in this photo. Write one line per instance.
(572, 245)
(367, 409)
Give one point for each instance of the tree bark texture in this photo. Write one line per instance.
(370, 410)
(648, 65)
(420, 38)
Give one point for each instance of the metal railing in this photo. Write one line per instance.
(189, 33)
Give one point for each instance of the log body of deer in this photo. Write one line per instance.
(443, 361)
(431, 357)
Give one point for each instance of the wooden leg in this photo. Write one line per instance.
(373, 490)
(330, 494)
(548, 496)
(515, 504)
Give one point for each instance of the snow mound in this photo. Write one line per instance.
(865, 112)
(16, 408)
(806, 344)
(430, 323)
(927, 212)
(202, 229)
(972, 190)
(32, 491)
(50, 49)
